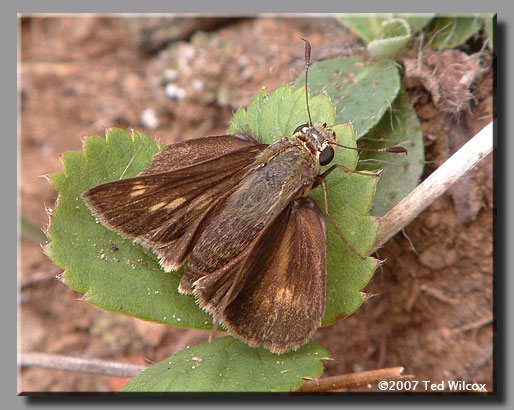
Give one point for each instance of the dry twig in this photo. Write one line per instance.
(77, 364)
(346, 381)
(435, 185)
(474, 325)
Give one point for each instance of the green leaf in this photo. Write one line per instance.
(270, 118)
(375, 26)
(453, 31)
(361, 91)
(394, 36)
(228, 365)
(367, 26)
(416, 21)
(114, 273)
(400, 173)
(347, 273)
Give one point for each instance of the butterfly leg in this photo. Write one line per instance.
(327, 211)
(322, 177)
(321, 180)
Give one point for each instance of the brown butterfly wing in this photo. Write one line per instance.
(283, 298)
(163, 208)
(236, 224)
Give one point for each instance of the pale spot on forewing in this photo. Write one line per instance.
(175, 203)
(285, 294)
(138, 192)
(138, 186)
(157, 206)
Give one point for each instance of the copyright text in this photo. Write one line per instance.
(428, 385)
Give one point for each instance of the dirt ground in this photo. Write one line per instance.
(433, 313)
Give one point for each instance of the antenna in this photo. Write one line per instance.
(396, 150)
(307, 63)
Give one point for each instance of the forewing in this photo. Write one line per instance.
(163, 210)
(282, 300)
(191, 152)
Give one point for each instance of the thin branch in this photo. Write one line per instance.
(346, 381)
(438, 294)
(474, 325)
(76, 364)
(435, 185)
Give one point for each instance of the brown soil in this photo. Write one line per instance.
(433, 309)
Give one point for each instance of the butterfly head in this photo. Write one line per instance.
(319, 138)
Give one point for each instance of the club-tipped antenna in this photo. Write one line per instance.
(395, 150)
(307, 63)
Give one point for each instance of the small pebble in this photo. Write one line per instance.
(170, 74)
(175, 92)
(197, 85)
(149, 119)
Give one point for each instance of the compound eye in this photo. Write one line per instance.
(326, 156)
(299, 128)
